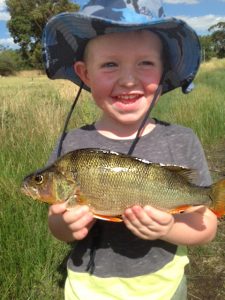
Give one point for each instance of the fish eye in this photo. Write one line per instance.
(39, 179)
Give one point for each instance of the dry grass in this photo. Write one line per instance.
(30, 73)
(213, 64)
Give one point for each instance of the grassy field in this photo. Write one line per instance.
(32, 112)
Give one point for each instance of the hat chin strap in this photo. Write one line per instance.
(138, 135)
(63, 135)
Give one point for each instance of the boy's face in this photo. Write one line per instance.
(123, 71)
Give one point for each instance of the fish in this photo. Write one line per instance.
(109, 182)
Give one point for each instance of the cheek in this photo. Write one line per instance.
(152, 88)
(101, 86)
(98, 95)
(152, 83)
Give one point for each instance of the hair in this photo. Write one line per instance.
(164, 52)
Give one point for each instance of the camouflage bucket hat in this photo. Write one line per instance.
(66, 35)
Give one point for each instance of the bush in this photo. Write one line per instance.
(10, 61)
(7, 63)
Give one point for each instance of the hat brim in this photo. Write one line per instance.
(66, 35)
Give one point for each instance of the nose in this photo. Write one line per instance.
(127, 77)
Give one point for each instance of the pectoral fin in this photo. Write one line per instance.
(108, 218)
(179, 209)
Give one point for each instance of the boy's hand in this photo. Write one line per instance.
(70, 225)
(148, 222)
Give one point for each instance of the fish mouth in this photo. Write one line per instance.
(29, 191)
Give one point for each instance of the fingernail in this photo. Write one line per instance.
(85, 208)
(147, 208)
(128, 211)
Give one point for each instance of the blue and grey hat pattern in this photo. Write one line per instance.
(66, 35)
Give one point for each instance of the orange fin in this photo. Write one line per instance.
(218, 198)
(217, 213)
(179, 209)
(108, 218)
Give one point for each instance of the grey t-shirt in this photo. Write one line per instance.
(119, 253)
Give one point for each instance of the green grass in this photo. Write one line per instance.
(203, 110)
(32, 113)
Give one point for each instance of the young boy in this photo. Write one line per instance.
(127, 53)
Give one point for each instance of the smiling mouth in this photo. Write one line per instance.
(127, 99)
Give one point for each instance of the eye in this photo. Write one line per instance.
(147, 63)
(109, 64)
(39, 179)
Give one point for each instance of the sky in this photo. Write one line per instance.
(199, 14)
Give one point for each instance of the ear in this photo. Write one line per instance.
(80, 69)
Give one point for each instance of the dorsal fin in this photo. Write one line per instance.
(190, 175)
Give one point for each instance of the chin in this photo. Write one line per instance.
(129, 121)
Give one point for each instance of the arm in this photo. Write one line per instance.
(69, 225)
(196, 226)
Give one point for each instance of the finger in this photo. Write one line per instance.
(132, 227)
(58, 208)
(76, 215)
(143, 216)
(90, 224)
(141, 224)
(142, 231)
(131, 215)
(138, 216)
(81, 223)
(82, 233)
(134, 218)
(161, 217)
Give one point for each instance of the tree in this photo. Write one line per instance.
(207, 47)
(28, 18)
(218, 38)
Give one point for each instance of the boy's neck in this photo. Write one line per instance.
(117, 131)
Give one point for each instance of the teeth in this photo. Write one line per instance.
(127, 97)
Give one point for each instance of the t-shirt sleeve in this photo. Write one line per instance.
(198, 160)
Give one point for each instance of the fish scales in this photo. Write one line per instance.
(110, 183)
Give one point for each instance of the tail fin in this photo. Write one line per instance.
(218, 196)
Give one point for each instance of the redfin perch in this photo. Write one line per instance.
(109, 182)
